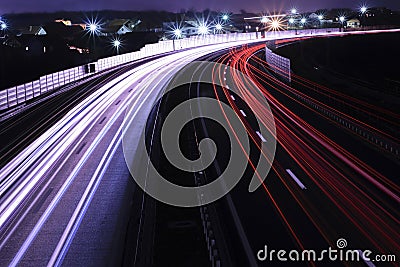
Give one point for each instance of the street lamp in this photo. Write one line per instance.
(3, 25)
(117, 44)
(225, 17)
(363, 9)
(93, 27)
(275, 25)
(264, 19)
(177, 33)
(303, 21)
(342, 19)
(218, 27)
(293, 11)
(202, 30)
(291, 20)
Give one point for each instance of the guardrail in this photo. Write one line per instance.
(279, 65)
(15, 96)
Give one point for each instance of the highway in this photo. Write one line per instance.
(68, 198)
(49, 186)
(328, 181)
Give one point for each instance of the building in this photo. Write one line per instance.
(353, 23)
(187, 28)
(31, 30)
(119, 27)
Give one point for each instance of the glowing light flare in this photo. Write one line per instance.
(203, 29)
(293, 11)
(303, 20)
(218, 27)
(177, 33)
(93, 26)
(275, 25)
(320, 17)
(117, 43)
(363, 9)
(342, 19)
(291, 20)
(225, 17)
(3, 25)
(264, 19)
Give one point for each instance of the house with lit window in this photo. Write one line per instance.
(353, 23)
(119, 27)
(31, 30)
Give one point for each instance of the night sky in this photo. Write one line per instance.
(18, 6)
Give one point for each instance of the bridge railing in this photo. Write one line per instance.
(15, 96)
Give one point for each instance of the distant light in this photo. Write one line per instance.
(27, 48)
(294, 11)
(303, 20)
(264, 19)
(257, 28)
(93, 27)
(177, 33)
(342, 19)
(218, 27)
(363, 9)
(3, 26)
(225, 17)
(291, 20)
(202, 29)
(320, 17)
(275, 24)
(117, 43)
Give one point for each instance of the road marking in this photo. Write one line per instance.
(261, 137)
(296, 179)
(101, 122)
(81, 148)
(244, 114)
(233, 98)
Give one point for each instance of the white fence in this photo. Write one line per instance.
(18, 95)
(279, 65)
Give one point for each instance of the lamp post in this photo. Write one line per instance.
(117, 44)
(342, 20)
(320, 18)
(363, 10)
(93, 29)
(177, 35)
